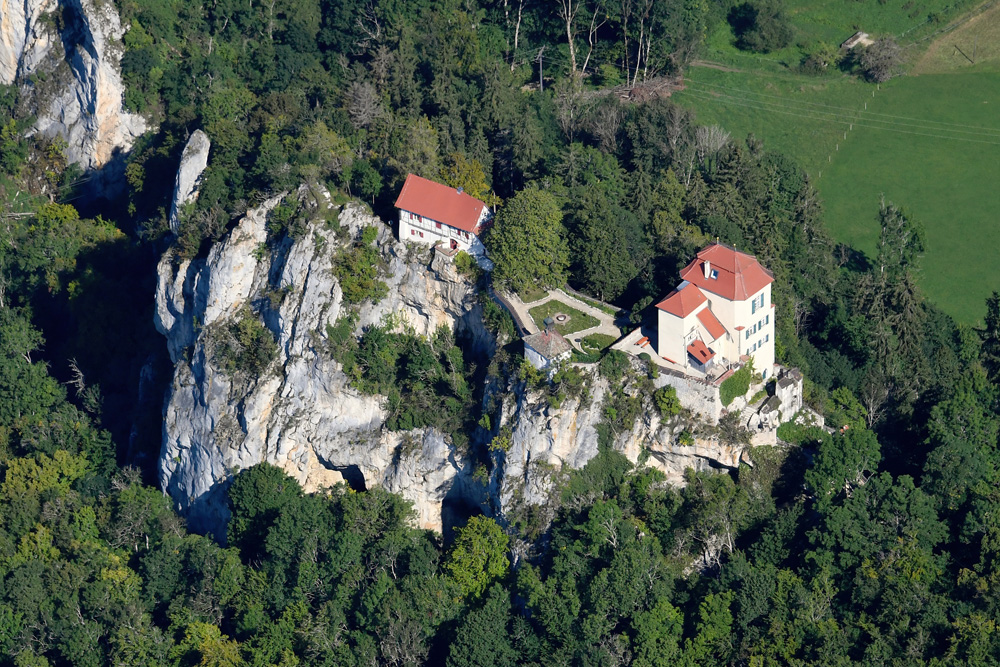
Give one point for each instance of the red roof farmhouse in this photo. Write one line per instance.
(430, 212)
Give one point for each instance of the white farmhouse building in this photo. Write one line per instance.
(719, 313)
(430, 212)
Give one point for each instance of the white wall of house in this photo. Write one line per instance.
(418, 229)
(540, 362)
(670, 332)
(757, 337)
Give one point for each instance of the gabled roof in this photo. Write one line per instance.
(683, 301)
(550, 344)
(440, 203)
(712, 323)
(699, 351)
(739, 275)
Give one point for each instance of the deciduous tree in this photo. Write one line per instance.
(527, 242)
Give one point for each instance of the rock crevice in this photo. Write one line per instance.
(73, 77)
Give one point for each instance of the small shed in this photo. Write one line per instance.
(546, 348)
(858, 38)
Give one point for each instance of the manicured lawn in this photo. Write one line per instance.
(596, 342)
(577, 321)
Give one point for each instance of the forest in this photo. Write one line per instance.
(876, 544)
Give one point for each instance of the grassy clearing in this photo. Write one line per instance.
(928, 142)
(945, 178)
(799, 115)
(830, 22)
(578, 321)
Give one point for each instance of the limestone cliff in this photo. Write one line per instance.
(545, 442)
(66, 54)
(194, 160)
(301, 414)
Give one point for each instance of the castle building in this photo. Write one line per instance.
(720, 313)
(430, 213)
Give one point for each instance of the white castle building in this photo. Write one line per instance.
(721, 312)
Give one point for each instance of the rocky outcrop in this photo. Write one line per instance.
(546, 442)
(194, 160)
(74, 73)
(302, 413)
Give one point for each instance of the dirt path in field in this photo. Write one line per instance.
(709, 64)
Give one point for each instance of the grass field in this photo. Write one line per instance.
(947, 178)
(929, 142)
(832, 21)
(578, 321)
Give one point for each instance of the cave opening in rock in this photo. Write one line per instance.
(353, 476)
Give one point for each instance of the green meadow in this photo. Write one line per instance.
(929, 142)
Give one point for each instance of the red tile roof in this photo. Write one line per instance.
(682, 301)
(712, 323)
(440, 203)
(699, 351)
(739, 277)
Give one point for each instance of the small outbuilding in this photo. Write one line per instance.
(857, 39)
(546, 348)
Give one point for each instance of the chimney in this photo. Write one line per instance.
(708, 269)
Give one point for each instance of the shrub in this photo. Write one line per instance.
(340, 340)
(614, 365)
(760, 27)
(666, 401)
(426, 383)
(797, 434)
(495, 317)
(502, 441)
(736, 385)
(243, 346)
(882, 60)
(466, 265)
(357, 270)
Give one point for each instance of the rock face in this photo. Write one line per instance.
(194, 160)
(301, 414)
(546, 441)
(78, 93)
